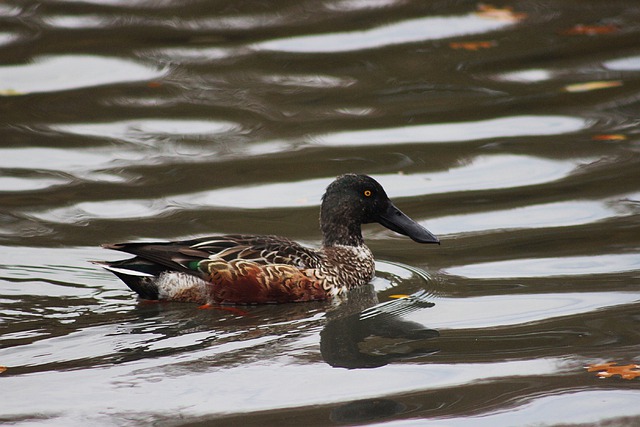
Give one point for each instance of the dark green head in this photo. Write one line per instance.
(352, 200)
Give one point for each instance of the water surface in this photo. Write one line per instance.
(510, 130)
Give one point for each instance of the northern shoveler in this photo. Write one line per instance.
(247, 269)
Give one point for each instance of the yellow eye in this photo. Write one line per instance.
(367, 193)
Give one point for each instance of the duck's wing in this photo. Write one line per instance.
(190, 256)
(259, 249)
(242, 269)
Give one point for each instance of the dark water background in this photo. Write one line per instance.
(124, 120)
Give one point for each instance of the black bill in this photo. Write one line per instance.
(394, 219)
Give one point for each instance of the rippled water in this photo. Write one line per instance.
(511, 130)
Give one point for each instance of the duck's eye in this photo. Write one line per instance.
(367, 193)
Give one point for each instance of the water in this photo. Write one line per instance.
(509, 130)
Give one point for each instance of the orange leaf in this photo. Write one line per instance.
(589, 86)
(472, 45)
(154, 84)
(2, 369)
(609, 137)
(505, 14)
(590, 30)
(607, 370)
(399, 296)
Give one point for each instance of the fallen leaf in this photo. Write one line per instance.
(590, 30)
(589, 86)
(154, 84)
(505, 14)
(2, 369)
(10, 92)
(609, 137)
(607, 370)
(399, 296)
(472, 45)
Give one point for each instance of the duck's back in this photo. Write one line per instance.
(231, 269)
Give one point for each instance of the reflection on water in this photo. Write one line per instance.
(51, 74)
(560, 214)
(147, 130)
(506, 127)
(409, 31)
(366, 410)
(361, 334)
(624, 64)
(549, 267)
(510, 130)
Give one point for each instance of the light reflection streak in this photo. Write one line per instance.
(56, 73)
(409, 31)
(550, 267)
(502, 127)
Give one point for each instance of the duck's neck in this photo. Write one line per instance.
(340, 225)
(341, 234)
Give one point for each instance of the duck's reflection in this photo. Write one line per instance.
(366, 410)
(360, 333)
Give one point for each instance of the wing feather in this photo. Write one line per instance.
(186, 255)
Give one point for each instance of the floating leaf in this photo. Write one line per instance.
(399, 296)
(591, 30)
(609, 137)
(589, 86)
(472, 45)
(10, 92)
(2, 369)
(607, 370)
(505, 14)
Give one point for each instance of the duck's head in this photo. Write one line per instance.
(352, 200)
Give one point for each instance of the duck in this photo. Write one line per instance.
(238, 269)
